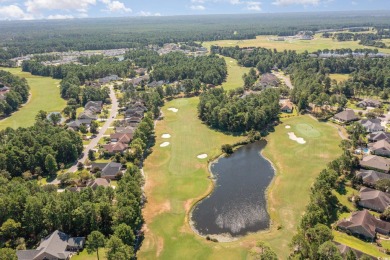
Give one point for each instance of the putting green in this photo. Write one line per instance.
(307, 130)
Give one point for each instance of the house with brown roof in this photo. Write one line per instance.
(345, 116)
(364, 225)
(381, 148)
(114, 148)
(376, 163)
(56, 246)
(374, 199)
(287, 107)
(121, 137)
(370, 177)
(269, 80)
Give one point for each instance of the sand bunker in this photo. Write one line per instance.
(288, 127)
(173, 109)
(165, 144)
(166, 136)
(293, 137)
(202, 156)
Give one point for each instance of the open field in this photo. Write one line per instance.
(316, 44)
(175, 179)
(235, 72)
(339, 77)
(45, 95)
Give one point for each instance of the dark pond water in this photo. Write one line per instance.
(237, 205)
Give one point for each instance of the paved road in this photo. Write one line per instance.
(94, 142)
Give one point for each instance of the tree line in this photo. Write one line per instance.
(229, 112)
(18, 94)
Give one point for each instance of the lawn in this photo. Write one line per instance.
(351, 241)
(45, 96)
(318, 43)
(85, 256)
(235, 72)
(175, 179)
(339, 77)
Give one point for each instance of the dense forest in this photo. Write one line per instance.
(228, 111)
(41, 149)
(22, 37)
(30, 212)
(18, 94)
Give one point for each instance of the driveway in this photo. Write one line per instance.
(285, 78)
(94, 142)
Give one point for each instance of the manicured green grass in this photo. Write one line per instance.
(307, 130)
(83, 255)
(316, 44)
(339, 77)
(235, 72)
(45, 96)
(175, 179)
(351, 241)
(342, 196)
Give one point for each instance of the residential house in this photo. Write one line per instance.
(344, 250)
(375, 162)
(378, 136)
(365, 225)
(57, 246)
(346, 116)
(109, 171)
(141, 71)
(155, 84)
(108, 79)
(370, 177)
(125, 130)
(269, 80)
(135, 119)
(94, 106)
(381, 148)
(4, 89)
(75, 125)
(369, 103)
(114, 148)
(372, 125)
(103, 182)
(136, 111)
(287, 107)
(88, 114)
(374, 199)
(121, 137)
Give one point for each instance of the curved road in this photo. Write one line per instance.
(94, 142)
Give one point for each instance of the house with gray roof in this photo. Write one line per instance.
(364, 225)
(94, 106)
(345, 116)
(377, 136)
(370, 177)
(381, 148)
(369, 103)
(57, 246)
(372, 125)
(344, 250)
(374, 199)
(88, 114)
(75, 125)
(376, 163)
(98, 182)
(268, 80)
(109, 170)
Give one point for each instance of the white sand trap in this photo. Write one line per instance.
(293, 137)
(166, 136)
(173, 109)
(231, 61)
(202, 156)
(165, 144)
(288, 127)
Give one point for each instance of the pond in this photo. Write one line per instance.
(237, 206)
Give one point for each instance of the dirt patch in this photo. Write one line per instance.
(160, 246)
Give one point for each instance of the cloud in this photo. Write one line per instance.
(116, 6)
(38, 5)
(198, 1)
(197, 7)
(14, 12)
(143, 13)
(59, 16)
(250, 5)
(296, 2)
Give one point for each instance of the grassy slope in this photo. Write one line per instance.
(339, 77)
(235, 72)
(45, 96)
(298, 45)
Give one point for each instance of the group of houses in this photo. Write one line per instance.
(124, 132)
(91, 111)
(374, 166)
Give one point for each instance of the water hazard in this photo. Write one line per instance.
(238, 204)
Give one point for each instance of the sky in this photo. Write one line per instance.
(68, 9)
